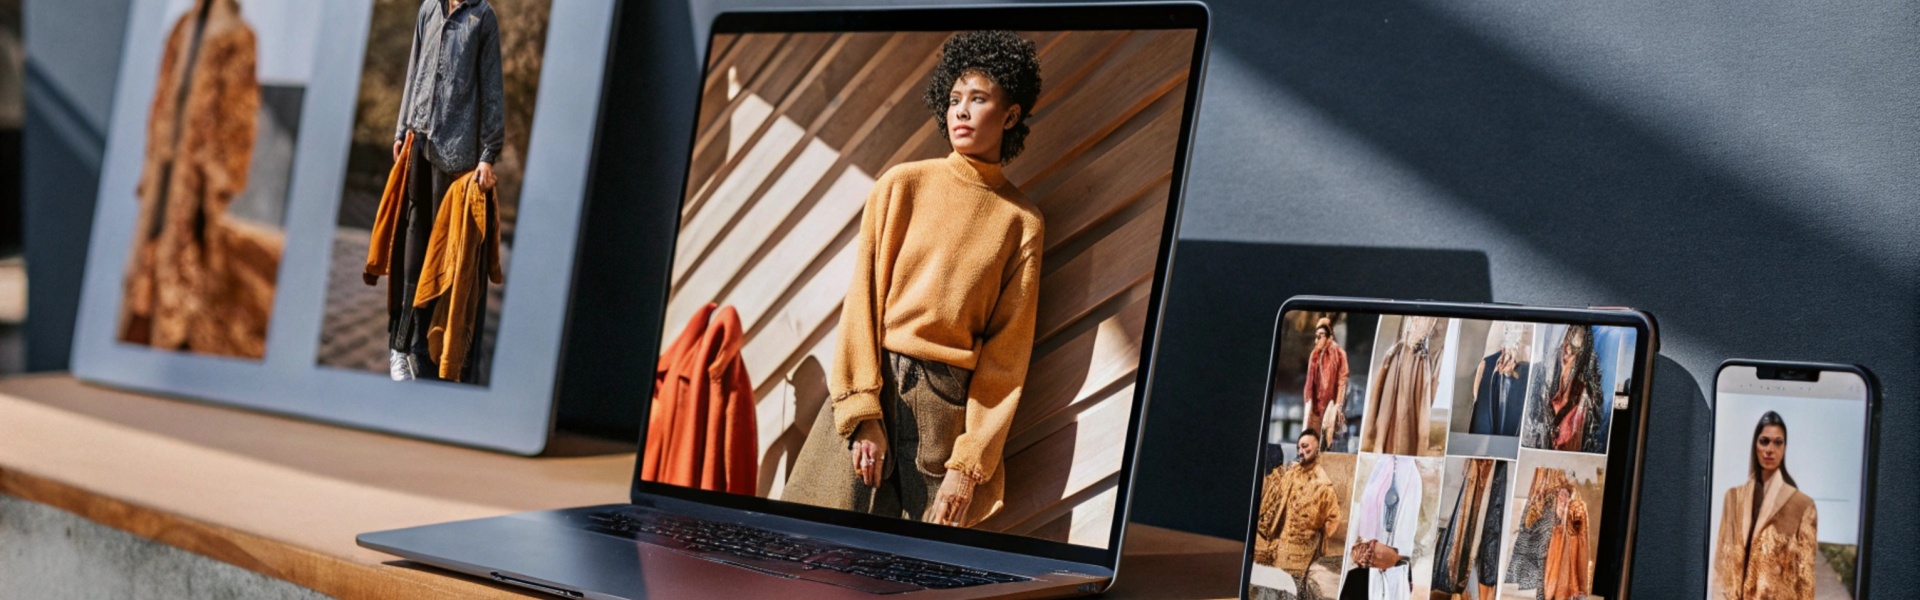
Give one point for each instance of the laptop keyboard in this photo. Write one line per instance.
(791, 555)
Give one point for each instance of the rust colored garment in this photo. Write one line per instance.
(1326, 385)
(1401, 398)
(701, 431)
(465, 242)
(946, 269)
(1570, 418)
(386, 219)
(198, 280)
(1567, 573)
(1773, 561)
(1299, 512)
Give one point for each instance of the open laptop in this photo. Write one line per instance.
(931, 237)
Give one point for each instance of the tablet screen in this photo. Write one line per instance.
(1413, 456)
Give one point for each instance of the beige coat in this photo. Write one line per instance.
(198, 280)
(1784, 546)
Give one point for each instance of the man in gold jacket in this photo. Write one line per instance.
(1298, 511)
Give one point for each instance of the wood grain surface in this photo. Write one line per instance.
(285, 498)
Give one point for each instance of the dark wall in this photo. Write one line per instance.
(1746, 171)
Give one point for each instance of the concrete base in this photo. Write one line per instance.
(51, 554)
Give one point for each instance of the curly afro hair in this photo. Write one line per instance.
(1009, 60)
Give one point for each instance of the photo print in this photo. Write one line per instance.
(425, 228)
(1390, 544)
(1319, 379)
(1786, 496)
(1492, 373)
(1554, 510)
(1466, 564)
(876, 357)
(1301, 527)
(1577, 369)
(1408, 401)
(212, 196)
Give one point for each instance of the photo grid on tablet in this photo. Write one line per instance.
(1415, 457)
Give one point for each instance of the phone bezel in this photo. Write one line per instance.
(1626, 446)
(1870, 430)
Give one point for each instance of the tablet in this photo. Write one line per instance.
(1415, 449)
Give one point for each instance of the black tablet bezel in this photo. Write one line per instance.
(1870, 429)
(1626, 446)
(1079, 17)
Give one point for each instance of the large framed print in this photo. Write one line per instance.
(319, 209)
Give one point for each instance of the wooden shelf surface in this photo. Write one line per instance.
(285, 498)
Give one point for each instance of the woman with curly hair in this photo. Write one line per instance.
(1568, 417)
(938, 323)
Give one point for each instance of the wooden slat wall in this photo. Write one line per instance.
(794, 130)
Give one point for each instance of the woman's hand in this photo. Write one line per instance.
(950, 504)
(869, 451)
(483, 175)
(397, 146)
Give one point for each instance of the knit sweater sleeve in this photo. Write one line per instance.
(855, 379)
(1001, 370)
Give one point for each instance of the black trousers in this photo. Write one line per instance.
(407, 325)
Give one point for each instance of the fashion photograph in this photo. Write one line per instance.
(1554, 509)
(1396, 503)
(1302, 524)
(1571, 403)
(1786, 498)
(1492, 371)
(1473, 509)
(212, 194)
(1408, 401)
(425, 228)
(1320, 378)
(919, 264)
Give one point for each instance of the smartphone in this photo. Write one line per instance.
(1792, 484)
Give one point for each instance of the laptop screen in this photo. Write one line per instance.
(914, 272)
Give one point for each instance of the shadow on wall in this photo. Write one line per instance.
(1201, 443)
(1645, 212)
(1595, 190)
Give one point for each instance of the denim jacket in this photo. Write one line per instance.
(454, 94)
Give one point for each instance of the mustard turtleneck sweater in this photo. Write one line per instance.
(947, 269)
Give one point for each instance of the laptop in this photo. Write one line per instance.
(910, 319)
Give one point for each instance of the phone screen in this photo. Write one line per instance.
(1789, 448)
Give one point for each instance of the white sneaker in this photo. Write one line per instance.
(399, 365)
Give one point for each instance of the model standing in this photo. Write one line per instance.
(1402, 395)
(1500, 386)
(1299, 511)
(198, 281)
(1469, 546)
(1768, 539)
(451, 125)
(1569, 417)
(1326, 391)
(1385, 524)
(1567, 573)
(938, 324)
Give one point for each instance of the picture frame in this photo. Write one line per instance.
(514, 411)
